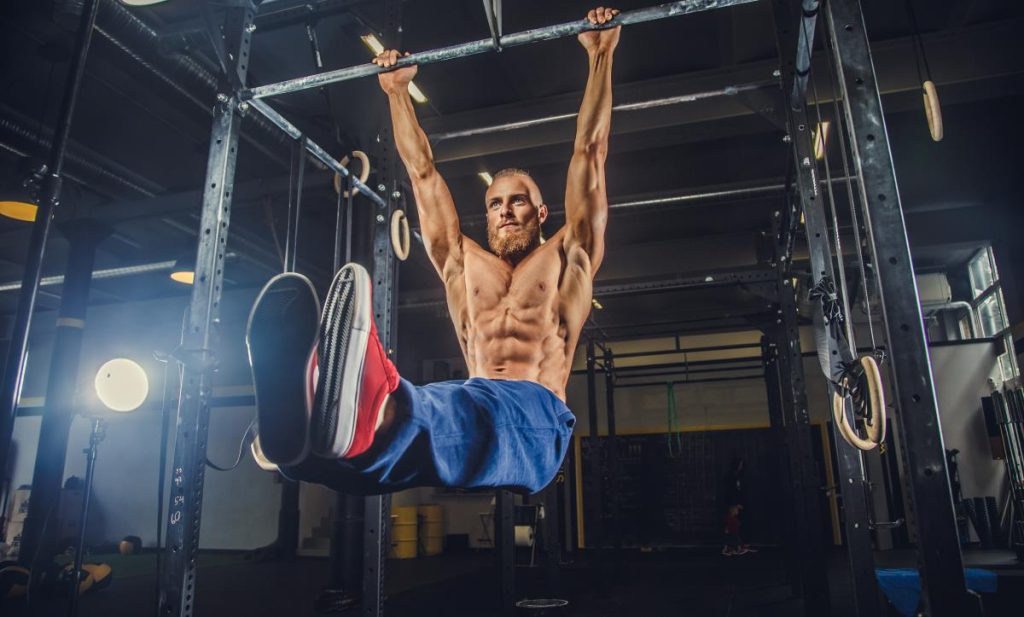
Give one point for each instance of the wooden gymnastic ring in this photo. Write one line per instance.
(932, 109)
(875, 429)
(400, 235)
(364, 173)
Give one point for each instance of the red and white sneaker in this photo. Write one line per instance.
(355, 376)
(281, 340)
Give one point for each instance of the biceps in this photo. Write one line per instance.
(439, 221)
(586, 206)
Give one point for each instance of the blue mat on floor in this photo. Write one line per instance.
(902, 586)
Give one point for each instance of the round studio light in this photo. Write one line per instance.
(122, 385)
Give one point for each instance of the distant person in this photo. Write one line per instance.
(734, 494)
(733, 543)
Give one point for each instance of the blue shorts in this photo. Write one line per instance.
(478, 433)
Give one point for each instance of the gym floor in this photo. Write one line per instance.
(698, 582)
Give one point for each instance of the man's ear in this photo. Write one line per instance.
(542, 213)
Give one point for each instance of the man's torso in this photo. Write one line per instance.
(523, 321)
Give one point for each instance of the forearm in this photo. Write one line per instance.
(439, 220)
(593, 125)
(410, 140)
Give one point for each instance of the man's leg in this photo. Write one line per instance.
(479, 433)
(373, 434)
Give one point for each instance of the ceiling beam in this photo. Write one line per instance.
(958, 56)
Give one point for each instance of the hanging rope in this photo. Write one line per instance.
(675, 440)
(932, 110)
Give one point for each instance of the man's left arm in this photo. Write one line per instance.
(586, 198)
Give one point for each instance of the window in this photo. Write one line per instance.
(990, 308)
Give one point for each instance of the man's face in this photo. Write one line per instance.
(514, 214)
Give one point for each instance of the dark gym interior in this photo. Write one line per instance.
(788, 181)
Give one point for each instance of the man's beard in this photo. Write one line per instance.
(516, 243)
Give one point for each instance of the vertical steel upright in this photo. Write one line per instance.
(178, 577)
(505, 545)
(48, 474)
(385, 286)
(592, 476)
(613, 448)
(17, 351)
(804, 476)
(777, 421)
(941, 564)
(795, 36)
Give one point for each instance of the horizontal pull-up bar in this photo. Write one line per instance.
(313, 148)
(654, 13)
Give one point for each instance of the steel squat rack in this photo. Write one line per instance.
(943, 588)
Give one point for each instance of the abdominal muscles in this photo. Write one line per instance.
(519, 342)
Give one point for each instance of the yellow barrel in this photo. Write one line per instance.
(431, 531)
(403, 532)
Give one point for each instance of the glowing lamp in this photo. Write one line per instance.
(122, 385)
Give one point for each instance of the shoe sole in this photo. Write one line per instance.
(344, 336)
(280, 338)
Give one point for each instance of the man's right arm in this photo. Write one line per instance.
(439, 221)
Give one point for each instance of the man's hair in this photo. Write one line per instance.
(512, 171)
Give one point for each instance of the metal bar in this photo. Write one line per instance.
(296, 175)
(660, 285)
(667, 200)
(504, 531)
(17, 348)
(613, 452)
(648, 384)
(312, 147)
(943, 585)
(804, 49)
(105, 273)
(777, 419)
(683, 371)
(671, 9)
(55, 427)
(664, 352)
(853, 485)
(592, 497)
(177, 584)
(619, 370)
(804, 477)
(95, 437)
(621, 107)
(385, 287)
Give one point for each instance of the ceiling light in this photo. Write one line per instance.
(417, 94)
(184, 270)
(19, 199)
(596, 304)
(486, 177)
(821, 139)
(18, 209)
(141, 2)
(121, 384)
(377, 47)
(373, 43)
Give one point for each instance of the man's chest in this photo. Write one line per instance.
(493, 286)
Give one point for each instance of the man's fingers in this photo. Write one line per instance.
(601, 15)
